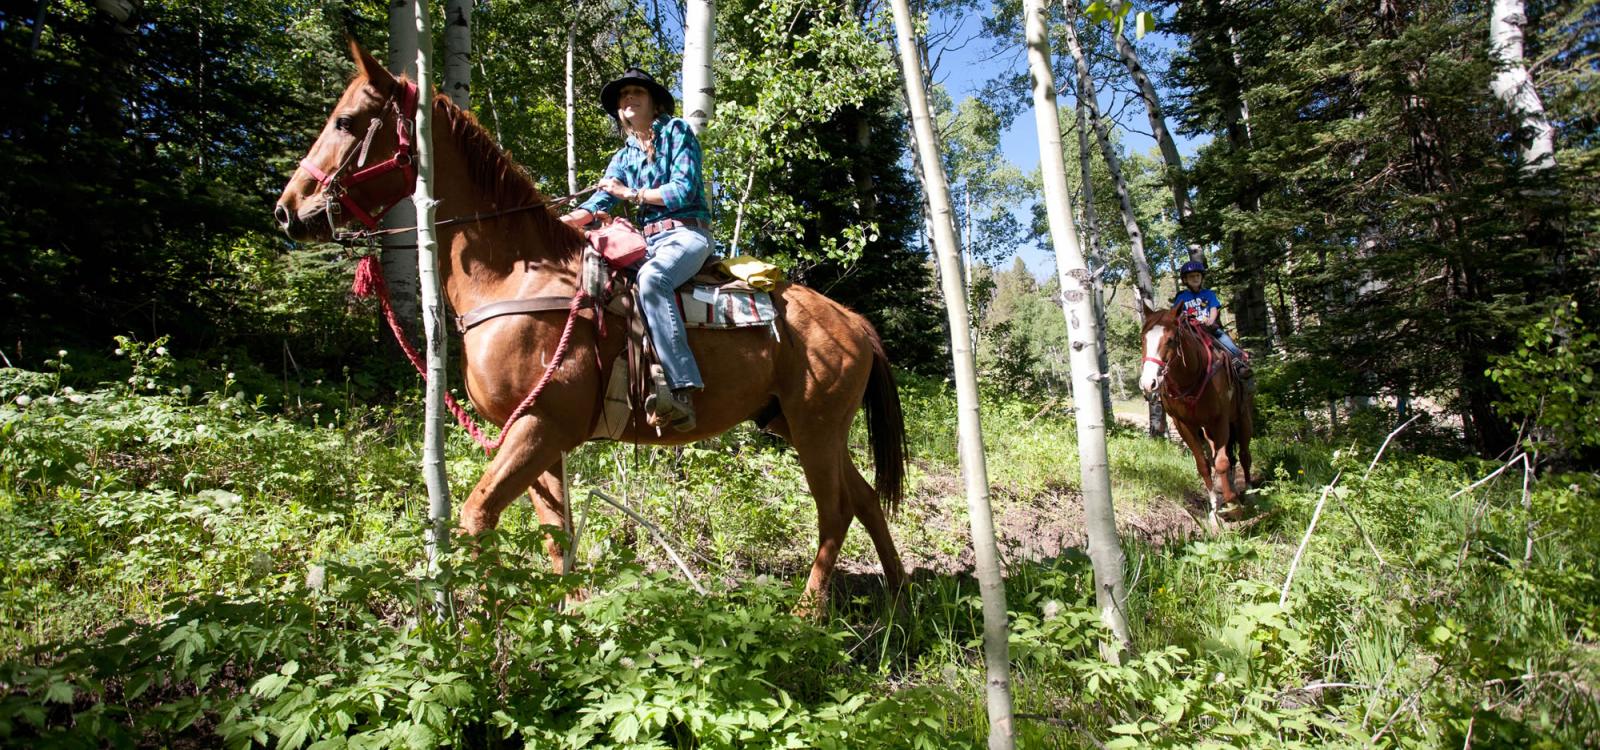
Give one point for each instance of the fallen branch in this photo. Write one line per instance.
(1283, 597)
(1404, 704)
(1385, 445)
(1492, 475)
(655, 532)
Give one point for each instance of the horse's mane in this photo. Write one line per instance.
(508, 185)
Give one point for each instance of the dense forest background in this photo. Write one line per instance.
(1357, 191)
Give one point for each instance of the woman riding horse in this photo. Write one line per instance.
(658, 169)
(503, 253)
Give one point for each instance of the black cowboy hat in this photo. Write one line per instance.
(635, 77)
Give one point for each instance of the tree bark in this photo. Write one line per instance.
(1177, 178)
(1105, 550)
(400, 249)
(991, 585)
(1513, 86)
(458, 52)
(433, 469)
(572, 127)
(1097, 253)
(699, 37)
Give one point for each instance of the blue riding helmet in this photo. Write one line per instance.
(1193, 266)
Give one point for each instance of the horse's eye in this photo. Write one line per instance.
(343, 124)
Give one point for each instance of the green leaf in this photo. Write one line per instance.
(59, 692)
(1143, 23)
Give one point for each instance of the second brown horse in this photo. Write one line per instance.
(825, 363)
(1204, 398)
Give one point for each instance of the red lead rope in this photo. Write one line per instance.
(370, 281)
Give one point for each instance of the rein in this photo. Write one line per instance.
(370, 281)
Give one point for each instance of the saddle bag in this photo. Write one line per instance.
(619, 243)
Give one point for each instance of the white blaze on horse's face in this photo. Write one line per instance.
(1150, 373)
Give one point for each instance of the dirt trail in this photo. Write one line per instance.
(1033, 527)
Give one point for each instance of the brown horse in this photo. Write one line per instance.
(824, 363)
(1204, 397)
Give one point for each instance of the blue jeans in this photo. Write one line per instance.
(673, 257)
(1227, 343)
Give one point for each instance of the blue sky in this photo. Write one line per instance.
(971, 62)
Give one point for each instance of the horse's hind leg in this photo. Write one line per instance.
(824, 462)
(864, 502)
(549, 501)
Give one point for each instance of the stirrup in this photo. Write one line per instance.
(671, 408)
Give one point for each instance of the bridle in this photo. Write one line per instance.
(1191, 395)
(335, 189)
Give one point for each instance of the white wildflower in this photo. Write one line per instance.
(24, 400)
(1051, 609)
(62, 353)
(67, 390)
(316, 577)
(161, 351)
(51, 401)
(77, 398)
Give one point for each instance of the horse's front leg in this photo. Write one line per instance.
(1217, 436)
(527, 452)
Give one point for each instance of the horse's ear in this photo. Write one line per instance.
(1146, 307)
(370, 68)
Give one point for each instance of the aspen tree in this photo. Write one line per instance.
(991, 585)
(400, 249)
(1077, 289)
(433, 469)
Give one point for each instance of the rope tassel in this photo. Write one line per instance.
(369, 276)
(370, 282)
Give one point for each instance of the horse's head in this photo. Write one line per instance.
(1161, 339)
(361, 164)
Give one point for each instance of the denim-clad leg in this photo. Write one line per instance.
(674, 257)
(1227, 343)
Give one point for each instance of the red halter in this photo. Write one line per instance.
(330, 184)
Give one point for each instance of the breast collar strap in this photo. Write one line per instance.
(335, 187)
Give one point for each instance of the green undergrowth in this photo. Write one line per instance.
(193, 569)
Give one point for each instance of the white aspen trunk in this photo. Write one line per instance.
(433, 470)
(400, 249)
(1513, 86)
(699, 37)
(1105, 550)
(458, 52)
(572, 128)
(991, 585)
(1177, 179)
(1097, 252)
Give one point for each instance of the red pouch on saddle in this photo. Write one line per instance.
(619, 243)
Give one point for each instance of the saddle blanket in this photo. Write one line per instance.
(726, 307)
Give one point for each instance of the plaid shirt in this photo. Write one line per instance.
(675, 170)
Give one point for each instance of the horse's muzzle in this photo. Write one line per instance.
(294, 225)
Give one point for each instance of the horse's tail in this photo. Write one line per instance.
(886, 426)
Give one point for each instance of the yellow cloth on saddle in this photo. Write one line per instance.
(753, 271)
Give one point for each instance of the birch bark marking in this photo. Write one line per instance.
(991, 586)
(433, 473)
(1513, 86)
(699, 36)
(400, 249)
(458, 52)
(1105, 550)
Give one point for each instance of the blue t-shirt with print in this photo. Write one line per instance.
(1198, 304)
